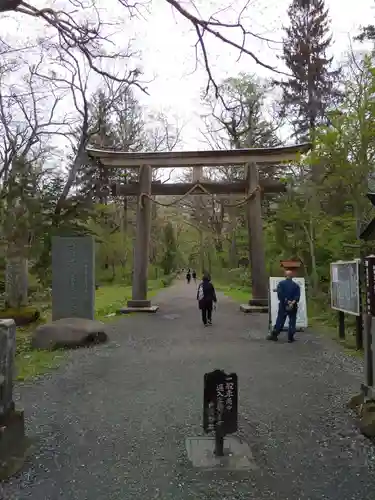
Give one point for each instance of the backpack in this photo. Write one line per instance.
(200, 292)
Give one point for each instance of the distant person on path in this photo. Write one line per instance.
(188, 276)
(194, 275)
(288, 293)
(206, 297)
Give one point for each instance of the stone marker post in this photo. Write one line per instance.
(73, 277)
(13, 443)
(256, 241)
(142, 242)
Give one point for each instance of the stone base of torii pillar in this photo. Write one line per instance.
(139, 301)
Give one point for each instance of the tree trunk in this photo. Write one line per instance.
(218, 244)
(16, 281)
(209, 262)
(233, 259)
(313, 271)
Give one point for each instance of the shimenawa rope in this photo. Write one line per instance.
(191, 190)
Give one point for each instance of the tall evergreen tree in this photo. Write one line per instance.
(311, 90)
(115, 124)
(367, 33)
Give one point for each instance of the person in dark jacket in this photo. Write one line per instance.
(194, 276)
(288, 293)
(188, 276)
(206, 297)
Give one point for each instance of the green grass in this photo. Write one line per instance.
(109, 299)
(239, 294)
(31, 363)
(325, 321)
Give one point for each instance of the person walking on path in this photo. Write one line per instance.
(288, 293)
(194, 275)
(206, 297)
(188, 276)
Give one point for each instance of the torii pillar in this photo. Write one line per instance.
(139, 301)
(257, 254)
(198, 205)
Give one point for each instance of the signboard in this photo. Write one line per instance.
(345, 294)
(370, 284)
(73, 277)
(220, 402)
(302, 320)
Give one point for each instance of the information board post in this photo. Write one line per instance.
(341, 317)
(370, 312)
(368, 368)
(359, 318)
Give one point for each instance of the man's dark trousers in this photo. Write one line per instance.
(280, 321)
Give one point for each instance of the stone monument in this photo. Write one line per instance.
(13, 443)
(73, 277)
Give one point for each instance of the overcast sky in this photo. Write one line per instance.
(166, 42)
(168, 53)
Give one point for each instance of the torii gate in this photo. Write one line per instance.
(145, 189)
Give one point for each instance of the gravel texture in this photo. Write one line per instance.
(111, 423)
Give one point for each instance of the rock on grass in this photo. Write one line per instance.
(69, 333)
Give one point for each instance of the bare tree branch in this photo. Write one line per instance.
(28, 119)
(69, 76)
(80, 27)
(212, 26)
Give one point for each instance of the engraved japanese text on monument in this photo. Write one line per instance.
(73, 277)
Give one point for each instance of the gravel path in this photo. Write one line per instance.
(111, 423)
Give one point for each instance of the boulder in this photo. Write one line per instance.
(69, 333)
(367, 419)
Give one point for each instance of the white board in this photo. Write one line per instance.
(302, 321)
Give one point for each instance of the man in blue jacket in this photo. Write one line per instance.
(288, 293)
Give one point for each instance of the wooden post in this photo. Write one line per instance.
(142, 241)
(368, 360)
(256, 242)
(341, 318)
(359, 332)
(361, 284)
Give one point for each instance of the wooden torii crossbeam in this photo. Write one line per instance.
(183, 159)
(145, 188)
(202, 188)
